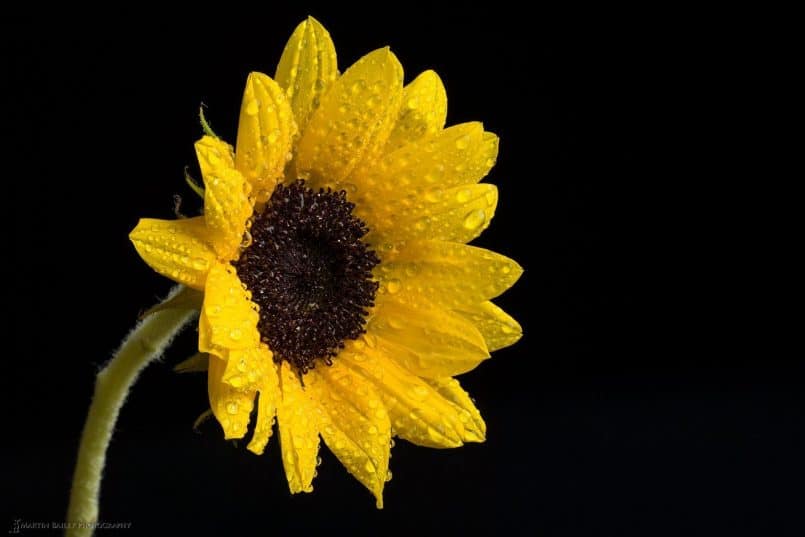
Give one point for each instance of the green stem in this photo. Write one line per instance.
(145, 343)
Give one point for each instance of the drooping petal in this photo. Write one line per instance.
(456, 214)
(226, 202)
(299, 419)
(451, 390)
(459, 155)
(265, 133)
(353, 121)
(177, 249)
(498, 327)
(307, 68)
(355, 424)
(230, 406)
(426, 339)
(447, 273)
(422, 113)
(266, 408)
(228, 318)
(418, 413)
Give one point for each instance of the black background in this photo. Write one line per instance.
(616, 414)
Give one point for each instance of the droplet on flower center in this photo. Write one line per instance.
(310, 273)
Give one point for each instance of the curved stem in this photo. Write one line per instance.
(145, 343)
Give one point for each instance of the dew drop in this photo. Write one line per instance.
(232, 408)
(393, 286)
(463, 195)
(388, 476)
(252, 107)
(200, 263)
(236, 333)
(463, 142)
(474, 219)
(370, 467)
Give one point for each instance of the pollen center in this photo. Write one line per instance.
(310, 273)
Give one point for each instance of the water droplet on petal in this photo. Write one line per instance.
(232, 408)
(463, 195)
(252, 107)
(474, 219)
(393, 286)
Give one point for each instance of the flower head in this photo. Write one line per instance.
(340, 296)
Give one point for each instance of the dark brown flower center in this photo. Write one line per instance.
(310, 273)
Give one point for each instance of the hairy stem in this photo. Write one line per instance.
(145, 343)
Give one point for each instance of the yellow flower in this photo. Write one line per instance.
(340, 295)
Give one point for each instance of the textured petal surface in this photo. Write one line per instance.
(299, 419)
(228, 318)
(246, 368)
(423, 110)
(177, 249)
(265, 133)
(455, 214)
(355, 424)
(230, 406)
(460, 155)
(266, 409)
(498, 327)
(425, 339)
(226, 202)
(451, 390)
(418, 413)
(353, 120)
(447, 273)
(307, 68)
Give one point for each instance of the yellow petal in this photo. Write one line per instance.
(460, 155)
(178, 249)
(229, 405)
(427, 340)
(450, 389)
(447, 273)
(265, 132)
(226, 204)
(266, 409)
(353, 121)
(418, 413)
(228, 318)
(423, 110)
(498, 327)
(355, 423)
(307, 68)
(299, 433)
(455, 214)
(247, 368)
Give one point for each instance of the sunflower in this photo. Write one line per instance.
(339, 294)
